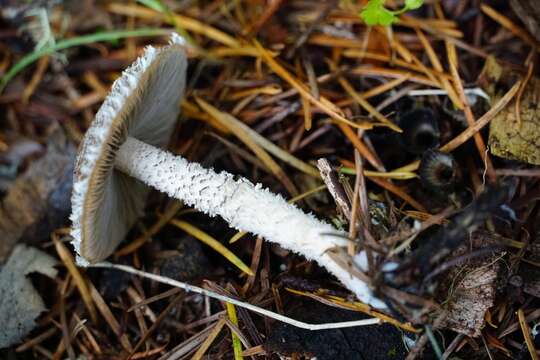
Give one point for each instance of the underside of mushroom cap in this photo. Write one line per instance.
(144, 103)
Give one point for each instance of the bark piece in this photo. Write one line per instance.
(508, 138)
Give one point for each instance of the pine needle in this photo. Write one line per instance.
(237, 345)
(213, 243)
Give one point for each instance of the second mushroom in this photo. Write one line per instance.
(121, 154)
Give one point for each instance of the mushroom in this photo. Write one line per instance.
(121, 154)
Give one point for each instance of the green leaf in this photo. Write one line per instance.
(374, 13)
(413, 4)
(154, 5)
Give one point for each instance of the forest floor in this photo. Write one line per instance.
(423, 132)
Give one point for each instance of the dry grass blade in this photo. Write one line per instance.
(145, 302)
(143, 328)
(237, 237)
(213, 243)
(386, 87)
(80, 282)
(181, 350)
(417, 66)
(148, 353)
(36, 340)
(184, 22)
(242, 51)
(394, 175)
(308, 118)
(306, 194)
(254, 351)
(442, 31)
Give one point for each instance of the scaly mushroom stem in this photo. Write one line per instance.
(243, 205)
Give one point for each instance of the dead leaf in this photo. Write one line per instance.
(39, 200)
(471, 293)
(20, 304)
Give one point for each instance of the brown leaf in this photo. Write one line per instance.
(20, 304)
(39, 200)
(471, 292)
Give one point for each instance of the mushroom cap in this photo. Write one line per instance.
(144, 103)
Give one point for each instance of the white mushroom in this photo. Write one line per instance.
(121, 154)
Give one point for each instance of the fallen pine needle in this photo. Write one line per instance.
(232, 124)
(508, 24)
(107, 314)
(209, 340)
(366, 105)
(80, 282)
(483, 120)
(213, 243)
(322, 103)
(181, 21)
(527, 334)
(255, 309)
(237, 345)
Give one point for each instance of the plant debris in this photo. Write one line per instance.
(20, 303)
(417, 140)
(38, 201)
(514, 132)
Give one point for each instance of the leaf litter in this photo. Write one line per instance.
(276, 86)
(20, 303)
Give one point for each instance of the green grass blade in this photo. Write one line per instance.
(76, 41)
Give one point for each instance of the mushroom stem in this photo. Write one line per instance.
(243, 205)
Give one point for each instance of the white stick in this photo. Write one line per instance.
(256, 309)
(244, 206)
